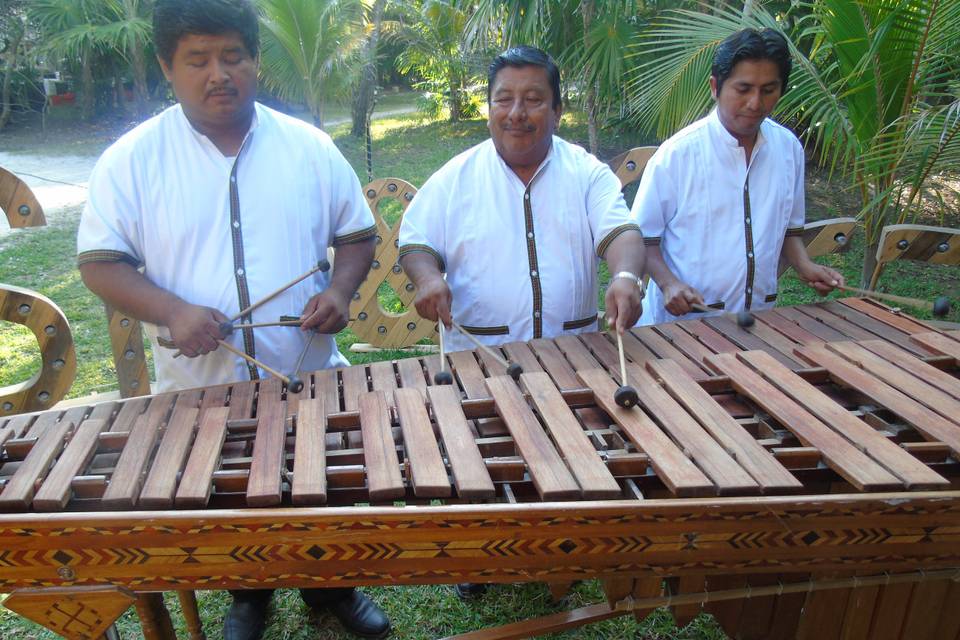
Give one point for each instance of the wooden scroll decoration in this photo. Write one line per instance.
(936, 245)
(371, 322)
(19, 203)
(629, 166)
(76, 613)
(59, 359)
(826, 236)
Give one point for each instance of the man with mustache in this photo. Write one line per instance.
(220, 200)
(520, 222)
(721, 203)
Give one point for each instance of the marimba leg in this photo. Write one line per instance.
(154, 618)
(191, 614)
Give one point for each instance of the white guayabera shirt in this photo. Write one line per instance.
(521, 261)
(224, 232)
(720, 224)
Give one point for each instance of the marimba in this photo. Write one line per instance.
(822, 442)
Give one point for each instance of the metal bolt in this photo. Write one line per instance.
(124, 322)
(50, 330)
(66, 573)
(58, 363)
(375, 265)
(381, 329)
(371, 193)
(408, 196)
(396, 268)
(129, 354)
(24, 309)
(903, 244)
(409, 286)
(134, 384)
(44, 396)
(943, 247)
(379, 239)
(362, 315)
(411, 326)
(840, 238)
(392, 187)
(7, 406)
(356, 295)
(24, 210)
(631, 165)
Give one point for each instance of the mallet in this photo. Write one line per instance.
(513, 369)
(226, 328)
(744, 318)
(443, 376)
(626, 396)
(293, 382)
(323, 265)
(940, 307)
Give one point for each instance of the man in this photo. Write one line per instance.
(520, 222)
(721, 203)
(220, 201)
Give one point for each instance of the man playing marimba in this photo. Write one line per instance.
(520, 222)
(721, 203)
(220, 200)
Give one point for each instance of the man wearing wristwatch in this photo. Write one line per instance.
(520, 222)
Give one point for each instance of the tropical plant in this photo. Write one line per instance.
(361, 106)
(434, 34)
(873, 90)
(309, 48)
(13, 27)
(589, 39)
(79, 29)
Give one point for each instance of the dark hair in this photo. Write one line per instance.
(525, 56)
(173, 19)
(750, 44)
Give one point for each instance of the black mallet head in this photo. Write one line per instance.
(744, 319)
(295, 385)
(324, 264)
(226, 328)
(626, 397)
(514, 370)
(442, 377)
(941, 306)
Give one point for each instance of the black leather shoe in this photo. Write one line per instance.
(247, 616)
(361, 615)
(467, 591)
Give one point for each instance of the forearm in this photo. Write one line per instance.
(124, 288)
(351, 266)
(421, 268)
(626, 253)
(656, 267)
(794, 253)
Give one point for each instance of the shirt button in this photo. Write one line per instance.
(236, 224)
(239, 272)
(530, 234)
(533, 273)
(526, 196)
(747, 220)
(233, 179)
(749, 289)
(536, 314)
(750, 254)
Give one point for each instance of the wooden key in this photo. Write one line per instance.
(379, 451)
(56, 489)
(196, 483)
(264, 484)
(309, 485)
(470, 475)
(427, 473)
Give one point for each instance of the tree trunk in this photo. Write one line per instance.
(454, 97)
(8, 76)
(87, 96)
(587, 8)
(138, 66)
(363, 97)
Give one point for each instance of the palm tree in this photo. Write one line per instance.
(588, 38)
(366, 84)
(13, 27)
(308, 47)
(873, 89)
(79, 29)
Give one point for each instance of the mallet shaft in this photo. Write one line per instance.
(913, 302)
(323, 265)
(232, 349)
(479, 344)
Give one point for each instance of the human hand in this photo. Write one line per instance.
(623, 304)
(194, 329)
(326, 312)
(823, 279)
(678, 298)
(433, 301)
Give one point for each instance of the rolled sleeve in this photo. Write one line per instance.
(422, 227)
(109, 228)
(606, 209)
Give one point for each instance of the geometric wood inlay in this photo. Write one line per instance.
(76, 613)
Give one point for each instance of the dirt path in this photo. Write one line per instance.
(60, 181)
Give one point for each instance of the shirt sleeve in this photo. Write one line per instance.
(422, 227)
(798, 213)
(110, 229)
(352, 219)
(606, 209)
(656, 199)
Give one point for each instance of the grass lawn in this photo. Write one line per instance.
(407, 147)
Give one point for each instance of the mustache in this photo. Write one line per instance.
(525, 129)
(221, 91)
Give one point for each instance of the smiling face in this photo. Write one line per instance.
(215, 80)
(522, 117)
(747, 97)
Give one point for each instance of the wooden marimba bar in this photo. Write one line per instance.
(825, 438)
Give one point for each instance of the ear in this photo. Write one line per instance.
(558, 114)
(713, 87)
(167, 72)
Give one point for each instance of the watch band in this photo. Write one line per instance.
(629, 275)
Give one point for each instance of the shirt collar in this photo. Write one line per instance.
(540, 168)
(724, 137)
(254, 123)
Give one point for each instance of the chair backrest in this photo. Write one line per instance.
(936, 245)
